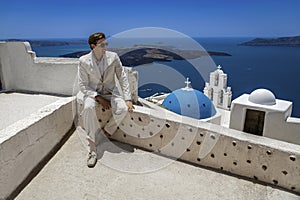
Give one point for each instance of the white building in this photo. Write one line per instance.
(217, 89)
(260, 113)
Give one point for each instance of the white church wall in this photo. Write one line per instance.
(275, 126)
(237, 115)
(216, 119)
(276, 123)
(293, 127)
(283, 129)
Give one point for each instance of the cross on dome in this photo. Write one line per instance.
(219, 67)
(187, 82)
(189, 102)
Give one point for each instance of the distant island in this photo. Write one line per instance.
(48, 42)
(139, 54)
(282, 41)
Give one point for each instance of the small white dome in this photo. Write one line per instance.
(263, 97)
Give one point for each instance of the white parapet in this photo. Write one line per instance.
(206, 144)
(25, 143)
(21, 70)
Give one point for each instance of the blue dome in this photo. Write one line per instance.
(190, 102)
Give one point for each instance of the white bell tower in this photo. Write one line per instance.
(217, 89)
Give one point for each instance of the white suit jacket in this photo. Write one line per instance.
(114, 79)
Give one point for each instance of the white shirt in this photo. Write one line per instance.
(101, 66)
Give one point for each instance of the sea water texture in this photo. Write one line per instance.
(276, 68)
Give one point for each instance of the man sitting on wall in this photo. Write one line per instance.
(97, 72)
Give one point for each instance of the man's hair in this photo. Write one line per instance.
(93, 39)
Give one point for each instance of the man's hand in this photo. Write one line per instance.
(130, 106)
(103, 102)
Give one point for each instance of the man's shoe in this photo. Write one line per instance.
(92, 159)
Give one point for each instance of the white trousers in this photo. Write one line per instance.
(90, 120)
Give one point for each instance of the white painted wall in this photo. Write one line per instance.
(22, 70)
(5, 68)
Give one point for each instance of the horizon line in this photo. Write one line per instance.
(83, 38)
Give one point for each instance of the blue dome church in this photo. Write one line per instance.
(189, 102)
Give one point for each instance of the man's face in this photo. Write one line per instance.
(101, 46)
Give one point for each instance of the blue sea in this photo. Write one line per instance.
(275, 68)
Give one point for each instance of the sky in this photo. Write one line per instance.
(33, 19)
